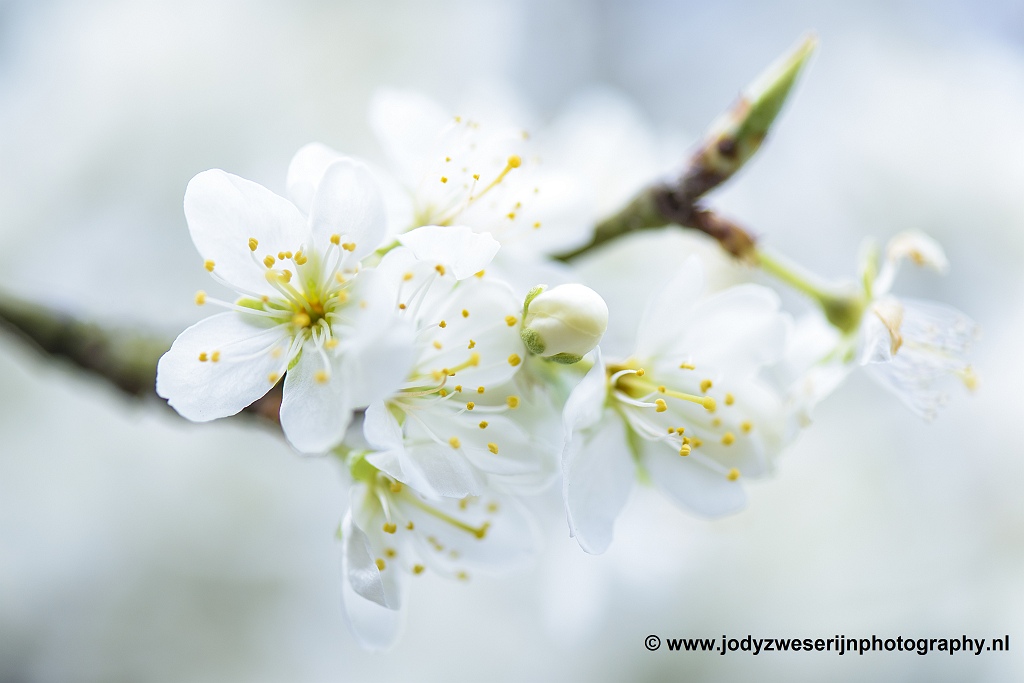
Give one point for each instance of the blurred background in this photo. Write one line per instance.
(137, 547)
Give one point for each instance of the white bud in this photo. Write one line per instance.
(563, 323)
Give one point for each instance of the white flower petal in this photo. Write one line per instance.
(455, 247)
(305, 172)
(597, 475)
(361, 572)
(666, 318)
(348, 203)
(317, 408)
(225, 211)
(585, 406)
(408, 126)
(702, 489)
(376, 628)
(202, 391)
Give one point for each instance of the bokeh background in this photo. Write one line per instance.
(137, 547)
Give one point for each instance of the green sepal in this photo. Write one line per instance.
(532, 340)
(565, 358)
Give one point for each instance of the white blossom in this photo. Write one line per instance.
(564, 323)
(687, 408)
(308, 314)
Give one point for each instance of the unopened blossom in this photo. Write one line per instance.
(687, 408)
(308, 314)
(447, 432)
(393, 534)
(564, 323)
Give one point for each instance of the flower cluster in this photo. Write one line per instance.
(407, 316)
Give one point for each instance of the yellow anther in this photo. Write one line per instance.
(733, 475)
(454, 442)
(660, 406)
(273, 377)
(465, 313)
(641, 372)
(696, 443)
(687, 366)
(680, 430)
(474, 359)
(729, 399)
(458, 388)
(483, 424)
(471, 344)
(470, 405)
(969, 378)
(440, 269)
(462, 576)
(444, 179)
(536, 225)
(300, 259)
(512, 401)
(276, 353)
(746, 426)
(661, 389)
(492, 507)
(717, 422)
(407, 277)
(380, 563)
(447, 159)
(396, 487)
(418, 569)
(684, 450)
(215, 356)
(390, 552)
(389, 528)
(268, 261)
(464, 503)
(709, 404)
(510, 320)
(442, 324)
(286, 275)
(281, 256)
(515, 161)
(253, 243)
(340, 279)
(321, 376)
(728, 439)
(479, 390)
(687, 440)
(331, 343)
(301, 320)
(208, 265)
(705, 384)
(492, 447)
(409, 525)
(401, 307)
(437, 345)
(349, 246)
(443, 393)
(479, 273)
(335, 239)
(203, 357)
(514, 360)
(200, 298)
(511, 215)
(671, 430)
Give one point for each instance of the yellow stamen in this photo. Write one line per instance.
(492, 447)
(479, 390)
(335, 239)
(687, 366)
(253, 243)
(705, 384)
(208, 265)
(746, 426)
(728, 439)
(273, 377)
(331, 343)
(471, 344)
(320, 376)
(396, 487)
(660, 406)
(684, 450)
(465, 313)
(200, 298)
(390, 552)
(442, 324)
(301, 320)
(729, 399)
(407, 277)
(439, 268)
(470, 405)
(437, 345)
(514, 360)
(479, 273)
(418, 569)
(444, 179)
(510, 320)
(390, 528)
(515, 161)
(380, 563)
(512, 401)
(269, 261)
(203, 357)
(733, 475)
(349, 246)
(454, 442)
(483, 424)
(215, 356)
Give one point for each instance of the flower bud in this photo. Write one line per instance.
(564, 323)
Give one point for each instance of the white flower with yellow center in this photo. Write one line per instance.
(393, 533)
(453, 429)
(913, 347)
(687, 408)
(308, 314)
